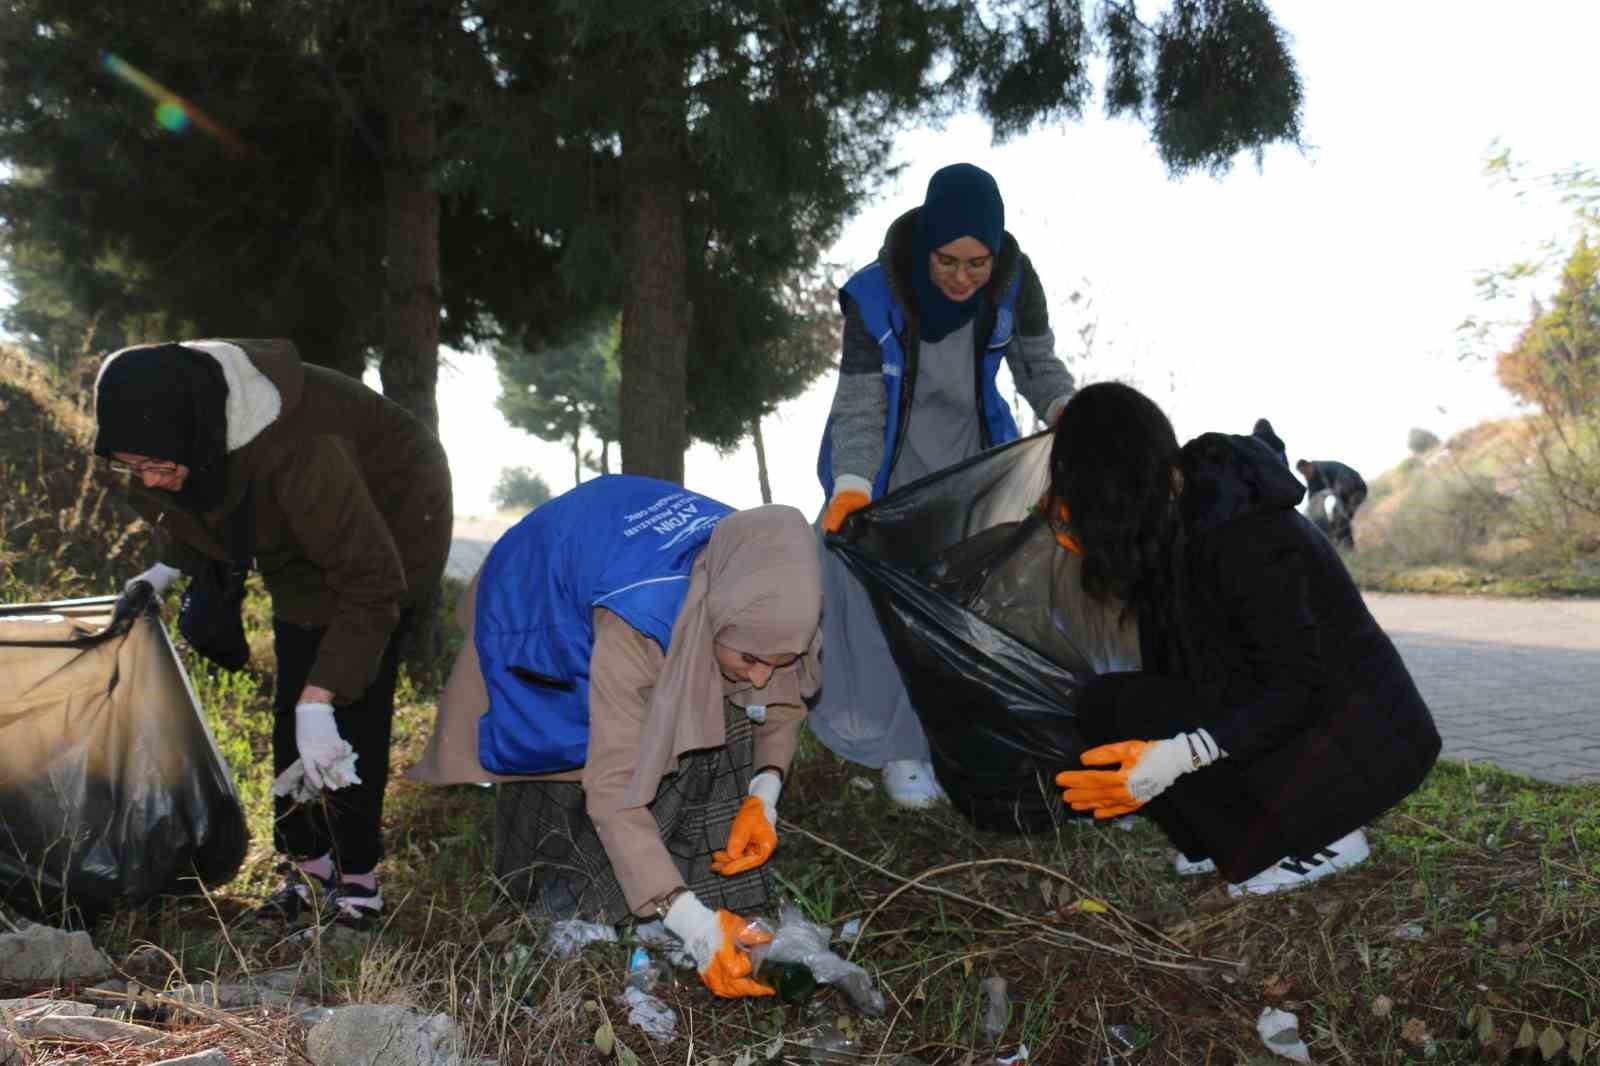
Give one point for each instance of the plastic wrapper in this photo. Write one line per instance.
(112, 789)
(985, 615)
(800, 940)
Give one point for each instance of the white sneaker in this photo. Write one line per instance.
(1294, 871)
(1188, 867)
(910, 783)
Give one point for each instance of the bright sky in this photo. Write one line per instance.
(1322, 291)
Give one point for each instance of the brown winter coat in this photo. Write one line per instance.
(353, 512)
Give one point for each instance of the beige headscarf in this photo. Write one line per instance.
(757, 588)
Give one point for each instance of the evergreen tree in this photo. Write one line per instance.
(700, 149)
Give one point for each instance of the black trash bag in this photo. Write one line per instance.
(985, 615)
(112, 789)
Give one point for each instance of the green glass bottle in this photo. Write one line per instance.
(792, 980)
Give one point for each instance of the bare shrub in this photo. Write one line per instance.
(1445, 519)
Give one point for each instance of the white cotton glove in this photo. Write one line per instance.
(753, 837)
(767, 786)
(160, 578)
(292, 783)
(1167, 760)
(1144, 770)
(711, 939)
(329, 760)
(850, 494)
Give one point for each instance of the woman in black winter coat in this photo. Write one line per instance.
(1272, 718)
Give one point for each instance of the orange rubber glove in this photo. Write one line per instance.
(719, 942)
(1055, 513)
(754, 836)
(842, 506)
(1146, 768)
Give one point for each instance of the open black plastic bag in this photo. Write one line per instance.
(985, 615)
(112, 789)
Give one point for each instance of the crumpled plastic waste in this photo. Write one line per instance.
(566, 938)
(659, 1021)
(998, 1011)
(294, 784)
(654, 934)
(1280, 1032)
(798, 939)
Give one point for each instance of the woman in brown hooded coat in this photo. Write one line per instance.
(341, 499)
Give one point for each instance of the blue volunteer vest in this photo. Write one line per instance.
(620, 542)
(886, 321)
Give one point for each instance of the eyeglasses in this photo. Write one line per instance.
(159, 467)
(949, 264)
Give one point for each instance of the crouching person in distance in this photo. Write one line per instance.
(1272, 718)
(342, 500)
(638, 657)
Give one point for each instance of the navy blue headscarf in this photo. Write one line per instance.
(962, 201)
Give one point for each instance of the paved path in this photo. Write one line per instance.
(1511, 682)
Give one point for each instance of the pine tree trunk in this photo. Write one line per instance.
(761, 459)
(605, 457)
(410, 367)
(577, 460)
(655, 303)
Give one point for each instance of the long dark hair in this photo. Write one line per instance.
(1114, 464)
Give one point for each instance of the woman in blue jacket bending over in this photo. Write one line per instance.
(638, 660)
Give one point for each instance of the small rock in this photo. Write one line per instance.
(41, 954)
(383, 1035)
(85, 1028)
(1382, 1007)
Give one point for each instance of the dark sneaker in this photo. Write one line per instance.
(294, 897)
(1294, 871)
(354, 907)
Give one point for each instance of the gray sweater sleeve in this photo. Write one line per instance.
(859, 410)
(1040, 375)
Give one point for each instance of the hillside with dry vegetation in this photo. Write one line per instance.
(64, 529)
(1501, 508)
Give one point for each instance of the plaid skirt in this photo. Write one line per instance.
(549, 857)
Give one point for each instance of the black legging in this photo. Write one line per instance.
(352, 827)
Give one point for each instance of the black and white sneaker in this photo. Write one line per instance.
(294, 897)
(1294, 871)
(354, 907)
(1187, 867)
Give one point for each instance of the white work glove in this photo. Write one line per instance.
(160, 578)
(753, 836)
(1145, 769)
(850, 494)
(329, 760)
(767, 786)
(712, 939)
(293, 784)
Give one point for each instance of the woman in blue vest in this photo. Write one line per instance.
(925, 330)
(637, 664)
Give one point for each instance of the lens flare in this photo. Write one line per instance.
(173, 113)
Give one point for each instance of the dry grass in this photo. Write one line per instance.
(1476, 924)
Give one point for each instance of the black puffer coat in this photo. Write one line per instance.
(1321, 721)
